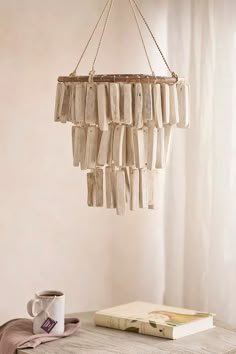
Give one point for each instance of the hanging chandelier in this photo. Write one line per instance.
(122, 126)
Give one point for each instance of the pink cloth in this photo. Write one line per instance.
(18, 334)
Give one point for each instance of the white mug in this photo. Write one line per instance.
(48, 310)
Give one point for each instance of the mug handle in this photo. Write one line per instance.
(31, 307)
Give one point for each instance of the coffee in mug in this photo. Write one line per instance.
(48, 311)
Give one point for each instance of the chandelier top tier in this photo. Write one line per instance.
(132, 78)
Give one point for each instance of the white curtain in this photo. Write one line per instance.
(185, 253)
(200, 207)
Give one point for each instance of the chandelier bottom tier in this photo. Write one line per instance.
(121, 133)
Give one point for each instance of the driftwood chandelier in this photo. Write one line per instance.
(122, 126)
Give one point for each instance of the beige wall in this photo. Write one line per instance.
(48, 237)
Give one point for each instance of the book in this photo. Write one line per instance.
(154, 320)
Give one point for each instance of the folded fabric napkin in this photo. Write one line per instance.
(18, 334)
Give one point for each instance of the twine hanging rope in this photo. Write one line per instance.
(90, 38)
(108, 7)
(155, 41)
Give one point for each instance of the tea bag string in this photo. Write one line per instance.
(49, 305)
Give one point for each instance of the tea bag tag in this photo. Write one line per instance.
(48, 325)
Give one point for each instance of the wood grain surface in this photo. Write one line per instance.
(97, 340)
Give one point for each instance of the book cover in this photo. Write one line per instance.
(156, 320)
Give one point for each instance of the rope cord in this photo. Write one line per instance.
(101, 38)
(109, 6)
(141, 36)
(154, 39)
(90, 38)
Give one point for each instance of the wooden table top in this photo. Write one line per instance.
(98, 340)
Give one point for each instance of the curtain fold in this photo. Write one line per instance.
(200, 186)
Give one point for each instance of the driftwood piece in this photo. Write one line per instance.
(65, 110)
(153, 189)
(129, 147)
(183, 99)
(80, 98)
(138, 106)
(115, 102)
(82, 147)
(127, 184)
(120, 192)
(104, 147)
(168, 139)
(165, 103)
(143, 191)
(109, 179)
(91, 147)
(102, 96)
(118, 141)
(71, 115)
(152, 147)
(160, 162)
(174, 105)
(91, 194)
(91, 109)
(157, 106)
(59, 101)
(147, 102)
(99, 187)
(76, 145)
(139, 153)
(145, 139)
(134, 189)
(128, 114)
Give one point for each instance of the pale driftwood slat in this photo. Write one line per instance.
(91, 108)
(120, 192)
(152, 147)
(59, 100)
(98, 340)
(65, 109)
(71, 116)
(147, 102)
(76, 145)
(134, 189)
(138, 106)
(80, 97)
(91, 192)
(115, 102)
(160, 162)
(104, 147)
(139, 152)
(102, 97)
(119, 134)
(143, 188)
(91, 147)
(99, 187)
(129, 147)
(174, 105)
(165, 103)
(127, 102)
(157, 106)
(82, 147)
(110, 202)
(168, 139)
(183, 98)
